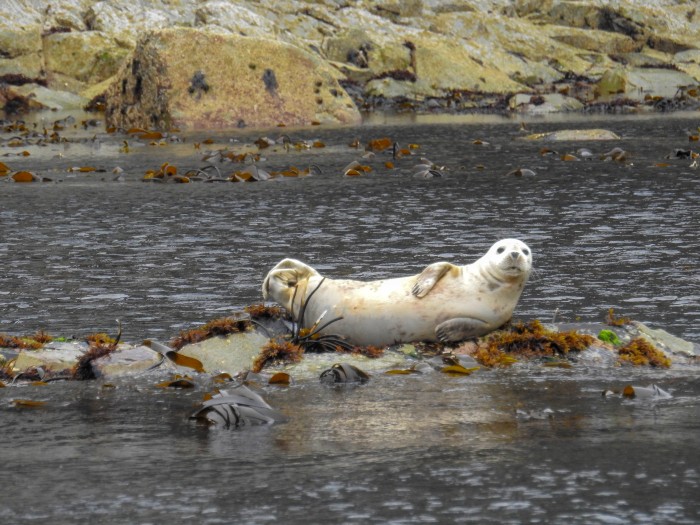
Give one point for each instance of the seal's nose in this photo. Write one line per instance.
(515, 255)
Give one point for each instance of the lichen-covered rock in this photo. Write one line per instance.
(89, 57)
(198, 79)
(233, 353)
(636, 83)
(446, 65)
(21, 49)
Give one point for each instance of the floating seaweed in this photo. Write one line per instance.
(234, 409)
(174, 356)
(177, 382)
(341, 373)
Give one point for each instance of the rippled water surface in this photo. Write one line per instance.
(79, 254)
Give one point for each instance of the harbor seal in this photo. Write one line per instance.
(444, 302)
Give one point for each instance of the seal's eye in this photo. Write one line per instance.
(526, 251)
(501, 249)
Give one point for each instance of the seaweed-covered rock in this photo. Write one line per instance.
(198, 79)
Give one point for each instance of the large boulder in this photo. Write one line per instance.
(88, 56)
(191, 78)
(638, 82)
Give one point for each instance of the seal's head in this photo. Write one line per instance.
(510, 259)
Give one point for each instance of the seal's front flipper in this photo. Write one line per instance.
(460, 328)
(428, 277)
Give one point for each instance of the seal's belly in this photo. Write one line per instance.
(383, 312)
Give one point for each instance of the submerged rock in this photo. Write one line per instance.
(199, 79)
(574, 135)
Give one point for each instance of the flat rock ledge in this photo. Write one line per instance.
(235, 353)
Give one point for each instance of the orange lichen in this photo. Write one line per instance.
(640, 352)
(277, 351)
(216, 327)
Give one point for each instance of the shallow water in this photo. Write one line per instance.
(79, 254)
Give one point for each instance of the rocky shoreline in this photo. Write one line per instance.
(204, 64)
(258, 343)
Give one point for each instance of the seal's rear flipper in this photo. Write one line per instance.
(460, 328)
(280, 282)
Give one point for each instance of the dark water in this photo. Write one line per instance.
(77, 255)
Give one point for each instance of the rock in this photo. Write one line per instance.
(126, 20)
(604, 42)
(234, 19)
(197, 79)
(57, 357)
(128, 361)
(89, 56)
(541, 104)
(233, 353)
(574, 135)
(669, 344)
(51, 98)
(638, 82)
(446, 65)
(313, 364)
(368, 55)
(21, 48)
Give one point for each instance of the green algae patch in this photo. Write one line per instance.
(608, 336)
(640, 352)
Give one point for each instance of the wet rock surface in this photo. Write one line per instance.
(235, 354)
(417, 56)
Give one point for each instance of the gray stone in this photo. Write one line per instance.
(54, 356)
(128, 360)
(668, 343)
